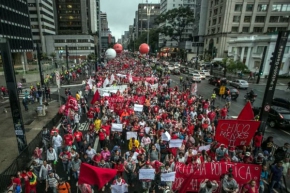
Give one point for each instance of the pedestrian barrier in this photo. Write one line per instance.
(24, 158)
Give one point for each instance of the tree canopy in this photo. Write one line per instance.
(175, 22)
(153, 41)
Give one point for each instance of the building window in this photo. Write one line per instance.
(274, 19)
(210, 14)
(249, 7)
(276, 7)
(213, 31)
(235, 29)
(283, 19)
(215, 11)
(236, 18)
(262, 7)
(246, 29)
(260, 19)
(220, 19)
(218, 30)
(238, 7)
(258, 29)
(257, 64)
(173, 5)
(247, 19)
(287, 49)
(271, 29)
(260, 49)
(217, 40)
(213, 21)
(285, 7)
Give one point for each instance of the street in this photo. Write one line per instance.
(205, 89)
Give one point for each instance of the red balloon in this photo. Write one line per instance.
(144, 48)
(118, 48)
(61, 109)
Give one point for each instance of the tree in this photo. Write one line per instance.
(92, 56)
(153, 41)
(175, 21)
(52, 54)
(233, 66)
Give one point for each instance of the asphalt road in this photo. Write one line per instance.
(205, 89)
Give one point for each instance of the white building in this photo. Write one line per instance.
(79, 46)
(249, 49)
(41, 13)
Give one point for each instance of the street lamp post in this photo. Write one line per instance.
(148, 8)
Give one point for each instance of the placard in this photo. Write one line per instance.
(138, 108)
(119, 188)
(175, 143)
(131, 134)
(205, 147)
(168, 177)
(146, 174)
(165, 136)
(117, 127)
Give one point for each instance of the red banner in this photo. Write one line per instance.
(236, 132)
(189, 177)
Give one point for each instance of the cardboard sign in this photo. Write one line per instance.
(146, 174)
(116, 127)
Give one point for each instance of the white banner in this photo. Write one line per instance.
(119, 188)
(205, 147)
(112, 89)
(131, 135)
(175, 143)
(154, 86)
(168, 177)
(117, 127)
(165, 136)
(146, 174)
(138, 108)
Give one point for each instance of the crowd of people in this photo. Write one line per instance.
(181, 113)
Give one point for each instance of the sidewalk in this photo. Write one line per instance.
(33, 125)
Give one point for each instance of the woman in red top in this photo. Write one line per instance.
(189, 157)
(97, 159)
(102, 138)
(251, 187)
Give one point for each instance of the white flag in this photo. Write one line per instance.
(112, 79)
(130, 78)
(106, 82)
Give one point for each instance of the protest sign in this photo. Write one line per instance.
(138, 108)
(147, 129)
(205, 147)
(131, 135)
(168, 177)
(188, 177)
(175, 143)
(117, 127)
(236, 132)
(165, 136)
(119, 188)
(146, 174)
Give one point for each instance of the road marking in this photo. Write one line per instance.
(285, 132)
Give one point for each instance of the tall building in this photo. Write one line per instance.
(76, 17)
(41, 13)
(15, 26)
(145, 11)
(104, 24)
(235, 18)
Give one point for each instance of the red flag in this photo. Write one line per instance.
(96, 97)
(95, 176)
(247, 113)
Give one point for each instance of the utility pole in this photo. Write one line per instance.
(39, 64)
(275, 64)
(96, 59)
(66, 56)
(13, 95)
(262, 65)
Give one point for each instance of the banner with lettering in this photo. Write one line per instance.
(189, 177)
(236, 132)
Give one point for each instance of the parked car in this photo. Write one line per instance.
(229, 91)
(279, 117)
(196, 78)
(217, 81)
(206, 73)
(184, 70)
(202, 75)
(281, 103)
(175, 71)
(239, 83)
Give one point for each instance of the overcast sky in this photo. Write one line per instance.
(121, 14)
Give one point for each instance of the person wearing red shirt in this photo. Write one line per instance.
(157, 166)
(65, 157)
(15, 183)
(68, 139)
(102, 138)
(119, 167)
(224, 112)
(26, 180)
(54, 130)
(97, 159)
(257, 143)
(78, 136)
(211, 115)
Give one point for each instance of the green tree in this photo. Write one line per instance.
(52, 54)
(153, 41)
(233, 66)
(175, 22)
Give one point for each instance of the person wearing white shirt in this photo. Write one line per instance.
(142, 123)
(57, 143)
(205, 119)
(91, 152)
(193, 114)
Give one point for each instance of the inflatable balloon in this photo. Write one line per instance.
(61, 109)
(110, 53)
(144, 48)
(118, 48)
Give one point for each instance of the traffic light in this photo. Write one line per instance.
(272, 59)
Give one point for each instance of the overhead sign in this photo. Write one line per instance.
(222, 90)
